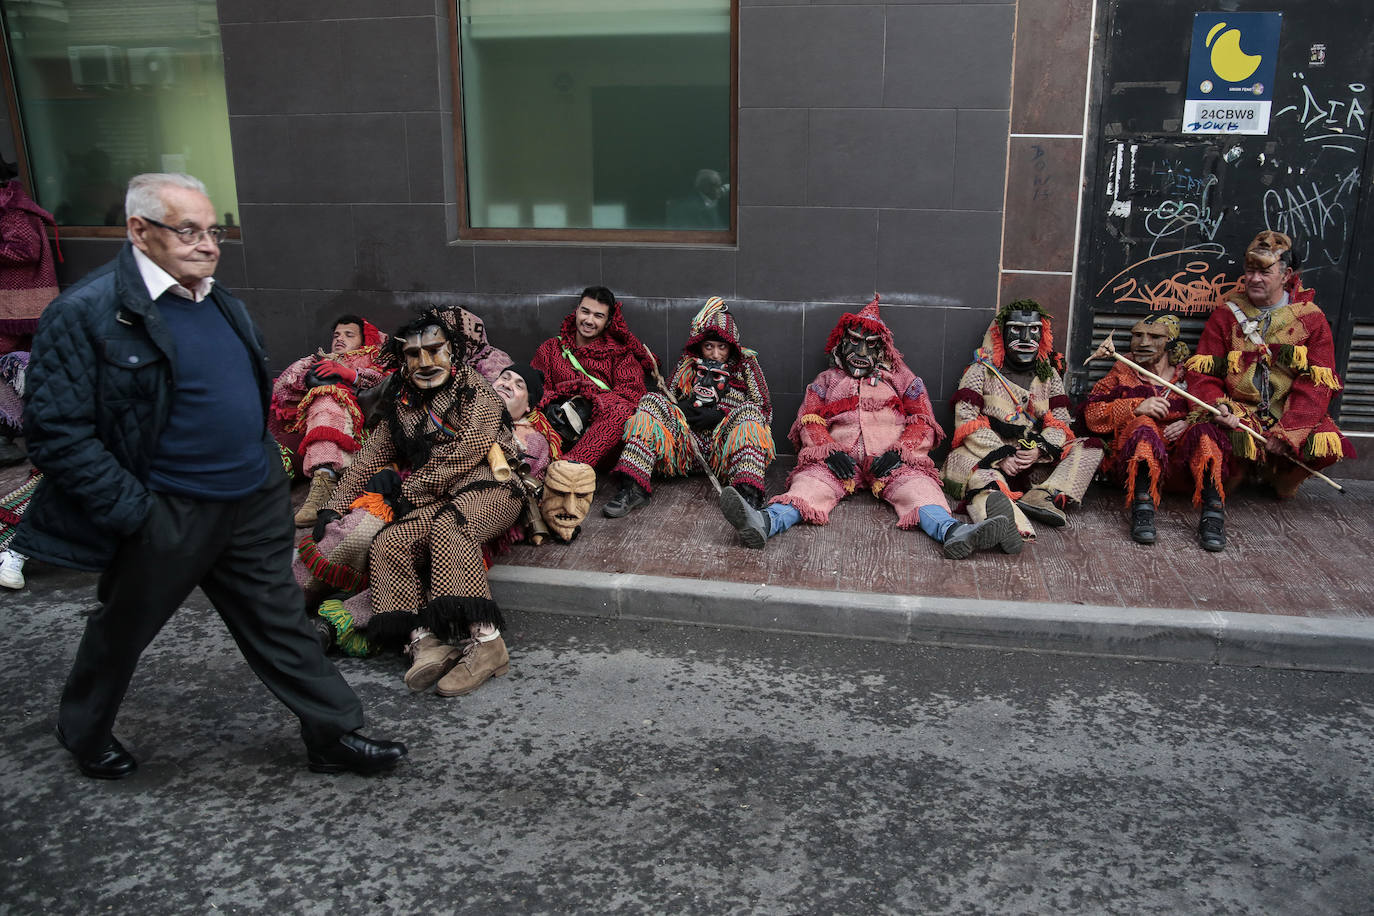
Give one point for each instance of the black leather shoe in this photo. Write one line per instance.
(356, 753)
(111, 761)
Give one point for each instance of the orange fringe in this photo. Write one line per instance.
(1206, 461)
(968, 429)
(1144, 454)
(375, 504)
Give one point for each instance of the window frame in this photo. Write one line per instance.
(21, 149)
(686, 237)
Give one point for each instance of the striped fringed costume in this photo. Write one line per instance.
(12, 507)
(864, 418)
(1137, 444)
(1277, 371)
(739, 448)
(425, 569)
(995, 410)
(322, 425)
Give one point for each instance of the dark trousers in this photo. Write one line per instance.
(239, 553)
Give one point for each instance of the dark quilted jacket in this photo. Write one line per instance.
(99, 393)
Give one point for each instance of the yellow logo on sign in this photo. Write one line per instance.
(1228, 60)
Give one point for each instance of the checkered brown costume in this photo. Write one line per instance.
(426, 568)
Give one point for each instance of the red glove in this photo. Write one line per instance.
(333, 372)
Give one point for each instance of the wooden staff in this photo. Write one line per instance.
(1257, 436)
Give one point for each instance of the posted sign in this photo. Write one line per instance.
(1231, 73)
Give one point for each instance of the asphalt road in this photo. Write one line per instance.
(637, 768)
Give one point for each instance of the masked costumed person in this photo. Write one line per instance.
(720, 402)
(1011, 419)
(28, 282)
(315, 412)
(1266, 359)
(593, 377)
(866, 423)
(427, 581)
(1142, 419)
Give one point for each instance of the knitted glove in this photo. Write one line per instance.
(884, 463)
(386, 482)
(702, 418)
(841, 464)
(330, 372)
(322, 520)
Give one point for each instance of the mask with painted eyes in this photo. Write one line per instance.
(709, 382)
(858, 353)
(568, 490)
(428, 358)
(1021, 334)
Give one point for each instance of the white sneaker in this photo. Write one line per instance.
(11, 569)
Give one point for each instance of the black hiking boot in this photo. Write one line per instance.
(1211, 528)
(630, 498)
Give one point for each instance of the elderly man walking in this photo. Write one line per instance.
(148, 391)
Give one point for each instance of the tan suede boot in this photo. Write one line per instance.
(1045, 507)
(322, 485)
(430, 660)
(480, 661)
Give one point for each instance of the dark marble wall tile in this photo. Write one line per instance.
(566, 269)
(980, 159)
(392, 64)
(948, 56)
(939, 257)
(281, 317)
(346, 158)
(919, 332)
(403, 247)
(964, 329)
(284, 68)
(428, 160)
(263, 163)
(670, 272)
(773, 149)
(1052, 42)
(820, 57)
(81, 256)
(1042, 204)
(805, 254)
(881, 158)
(299, 246)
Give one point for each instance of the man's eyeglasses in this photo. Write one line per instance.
(190, 235)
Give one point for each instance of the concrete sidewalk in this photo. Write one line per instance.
(1209, 637)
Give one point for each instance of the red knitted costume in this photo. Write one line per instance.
(618, 359)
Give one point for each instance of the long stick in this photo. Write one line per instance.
(691, 437)
(1257, 436)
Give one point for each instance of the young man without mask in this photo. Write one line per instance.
(437, 428)
(1012, 440)
(866, 423)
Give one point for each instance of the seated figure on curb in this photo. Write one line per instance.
(720, 401)
(1011, 426)
(593, 377)
(1266, 359)
(520, 386)
(315, 412)
(1142, 419)
(427, 581)
(866, 422)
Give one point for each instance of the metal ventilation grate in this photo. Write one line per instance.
(1357, 401)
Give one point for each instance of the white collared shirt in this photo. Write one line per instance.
(158, 281)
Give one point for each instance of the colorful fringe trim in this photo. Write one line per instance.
(1324, 445)
(1325, 377)
(341, 393)
(376, 504)
(348, 640)
(968, 429)
(12, 507)
(651, 436)
(1144, 446)
(344, 578)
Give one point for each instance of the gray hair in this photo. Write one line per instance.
(145, 192)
